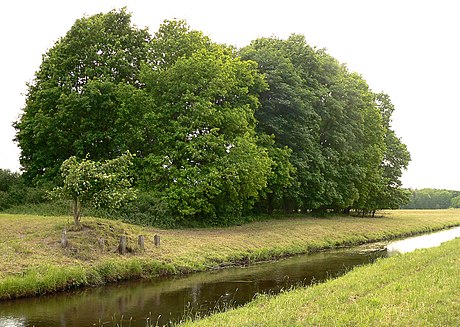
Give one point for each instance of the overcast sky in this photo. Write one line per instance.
(406, 48)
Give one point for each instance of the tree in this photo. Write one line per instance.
(214, 130)
(281, 176)
(81, 100)
(286, 113)
(429, 198)
(174, 40)
(8, 181)
(368, 143)
(100, 184)
(395, 160)
(205, 161)
(455, 202)
(326, 116)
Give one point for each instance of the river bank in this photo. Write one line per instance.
(35, 263)
(413, 289)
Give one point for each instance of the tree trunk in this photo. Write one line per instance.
(76, 211)
(286, 204)
(270, 204)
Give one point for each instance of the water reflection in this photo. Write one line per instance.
(424, 241)
(12, 322)
(165, 300)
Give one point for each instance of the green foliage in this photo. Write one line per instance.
(80, 101)
(7, 180)
(100, 184)
(217, 133)
(205, 162)
(280, 178)
(146, 209)
(342, 146)
(428, 198)
(14, 191)
(455, 202)
(47, 207)
(395, 160)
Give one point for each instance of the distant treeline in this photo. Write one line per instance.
(217, 132)
(429, 198)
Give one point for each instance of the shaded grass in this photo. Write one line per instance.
(414, 289)
(33, 261)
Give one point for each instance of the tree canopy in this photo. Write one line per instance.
(343, 149)
(217, 132)
(81, 99)
(204, 158)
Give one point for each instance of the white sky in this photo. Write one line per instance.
(407, 48)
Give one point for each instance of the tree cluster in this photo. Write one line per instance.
(344, 153)
(216, 132)
(429, 198)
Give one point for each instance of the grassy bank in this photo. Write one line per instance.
(33, 261)
(414, 289)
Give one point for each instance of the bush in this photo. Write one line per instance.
(147, 210)
(14, 192)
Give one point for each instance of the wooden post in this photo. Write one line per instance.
(101, 244)
(64, 240)
(140, 242)
(156, 240)
(122, 245)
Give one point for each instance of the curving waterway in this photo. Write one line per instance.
(166, 300)
(423, 241)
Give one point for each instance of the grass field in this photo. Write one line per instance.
(414, 289)
(33, 261)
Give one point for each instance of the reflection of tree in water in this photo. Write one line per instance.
(195, 292)
(13, 322)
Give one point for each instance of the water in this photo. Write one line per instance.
(424, 241)
(166, 300)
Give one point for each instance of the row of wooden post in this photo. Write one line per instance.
(122, 246)
(140, 242)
